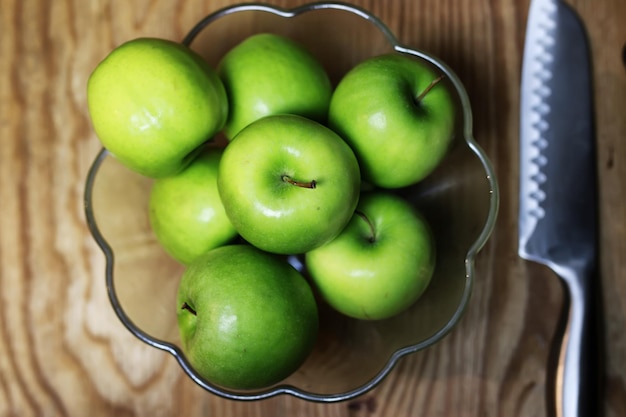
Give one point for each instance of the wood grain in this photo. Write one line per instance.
(64, 353)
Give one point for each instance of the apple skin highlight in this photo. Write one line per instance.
(273, 213)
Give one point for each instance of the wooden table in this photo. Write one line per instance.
(64, 353)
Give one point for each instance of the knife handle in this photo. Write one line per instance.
(578, 370)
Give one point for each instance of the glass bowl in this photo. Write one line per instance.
(460, 200)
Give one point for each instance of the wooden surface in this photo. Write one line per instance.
(64, 353)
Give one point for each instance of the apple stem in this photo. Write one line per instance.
(372, 237)
(430, 87)
(291, 181)
(188, 308)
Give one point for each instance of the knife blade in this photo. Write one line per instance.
(558, 184)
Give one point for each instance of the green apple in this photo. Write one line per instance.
(269, 74)
(380, 264)
(152, 102)
(398, 115)
(288, 184)
(247, 319)
(186, 212)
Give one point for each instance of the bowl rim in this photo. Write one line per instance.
(471, 254)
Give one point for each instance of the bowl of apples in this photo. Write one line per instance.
(288, 201)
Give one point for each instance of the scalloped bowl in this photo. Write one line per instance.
(460, 199)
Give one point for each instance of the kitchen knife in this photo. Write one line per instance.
(558, 190)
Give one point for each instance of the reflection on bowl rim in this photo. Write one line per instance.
(469, 259)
